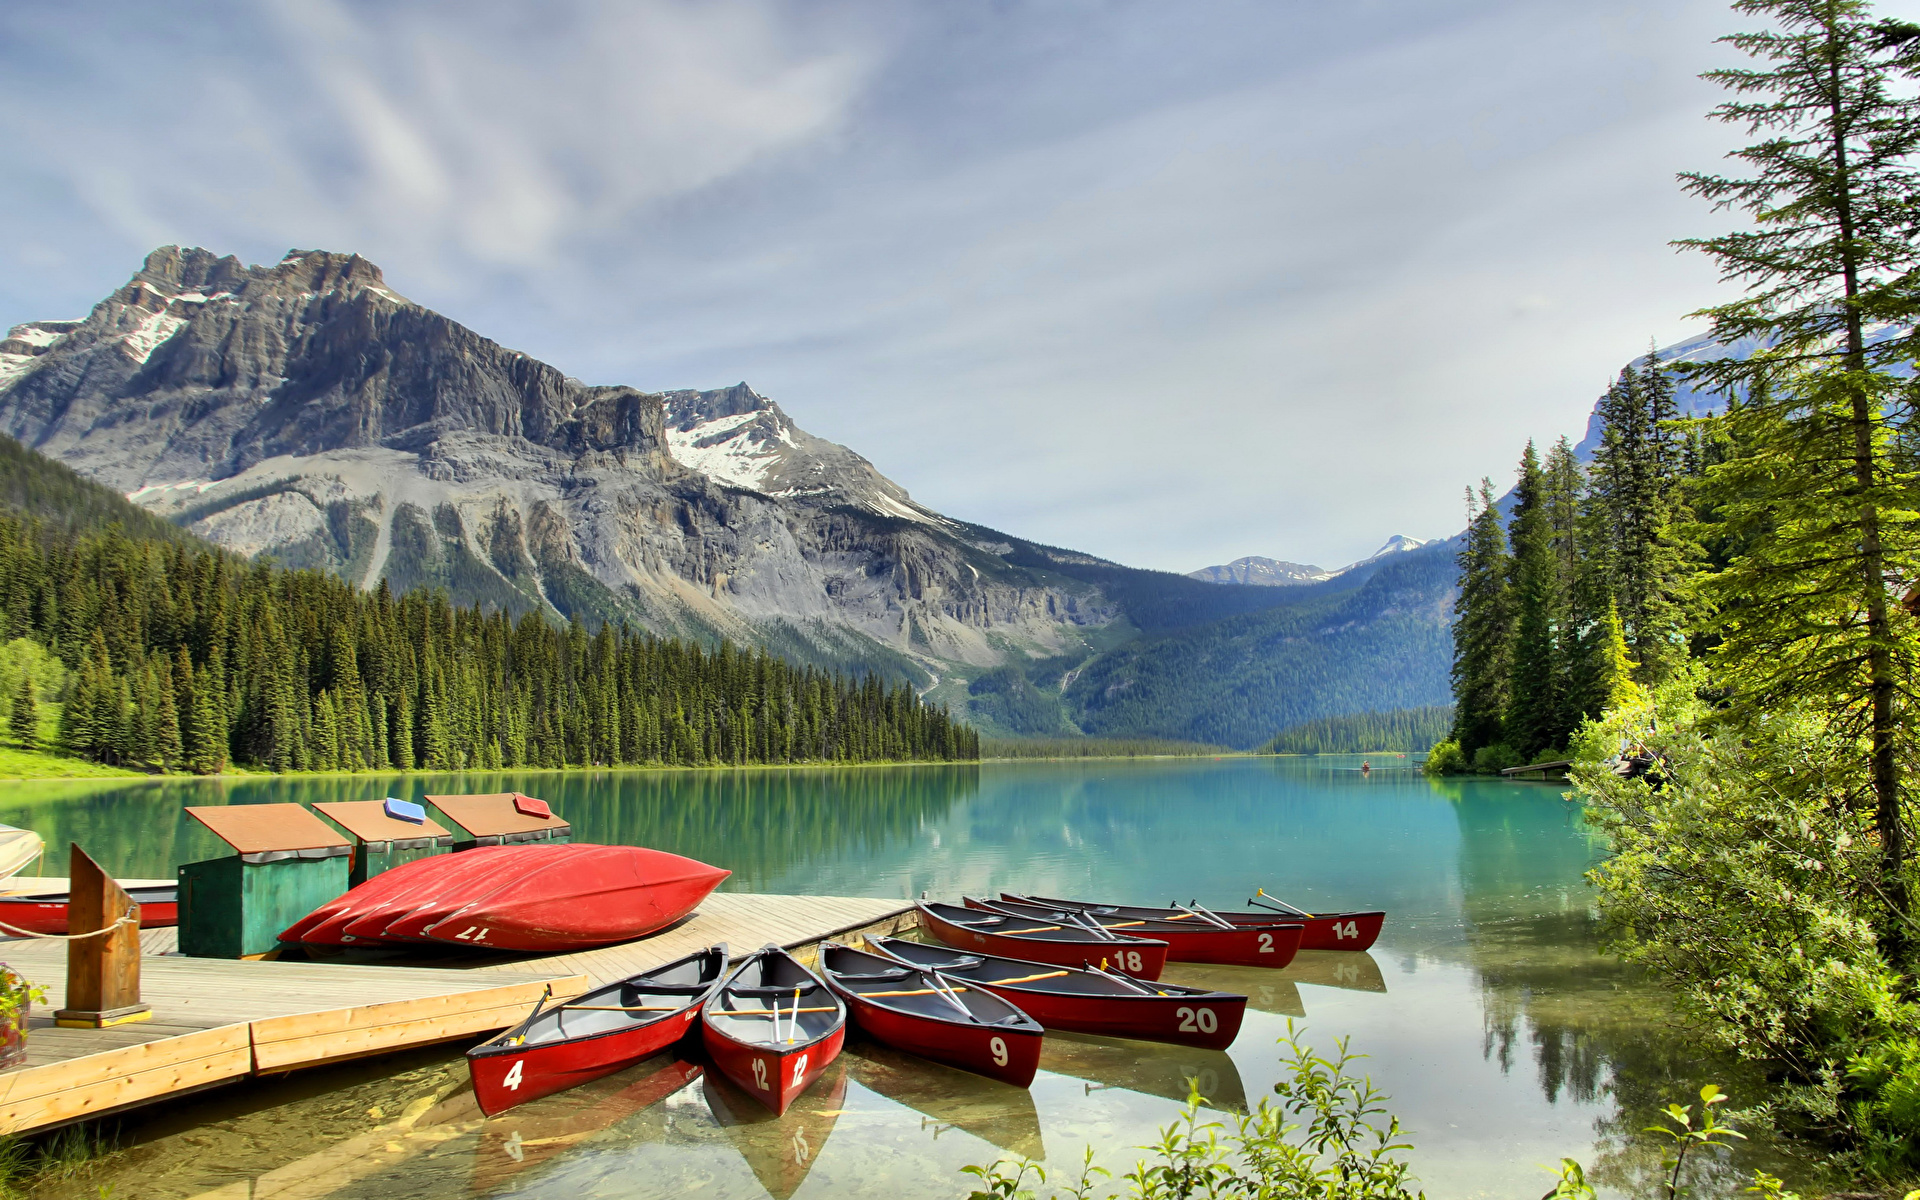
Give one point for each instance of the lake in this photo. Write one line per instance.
(1505, 1040)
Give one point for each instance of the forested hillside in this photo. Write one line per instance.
(1404, 729)
(181, 657)
(1379, 645)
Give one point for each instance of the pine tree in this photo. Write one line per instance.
(1482, 629)
(24, 720)
(1819, 495)
(167, 745)
(1533, 702)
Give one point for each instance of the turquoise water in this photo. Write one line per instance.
(1505, 1040)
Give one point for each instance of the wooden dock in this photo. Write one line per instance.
(217, 1020)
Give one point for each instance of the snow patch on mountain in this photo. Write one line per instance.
(1255, 571)
(157, 328)
(727, 449)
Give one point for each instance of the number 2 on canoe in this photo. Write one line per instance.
(799, 1070)
(760, 1074)
(1266, 943)
(512, 1081)
(999, 1048)
(1349, 930)
(1202, 1018)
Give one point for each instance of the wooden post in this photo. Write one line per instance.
(103, 973)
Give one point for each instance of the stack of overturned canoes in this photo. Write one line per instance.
(1009, 971)
(547, 898)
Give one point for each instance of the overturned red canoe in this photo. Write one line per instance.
(1271, 945)
(470, 875)
(1323, 931)
(384, 896)
(588, 896)
(46, 912)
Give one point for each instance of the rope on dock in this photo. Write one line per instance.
(132, 918)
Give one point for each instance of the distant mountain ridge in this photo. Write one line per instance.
(1255, 571)
(307, 412)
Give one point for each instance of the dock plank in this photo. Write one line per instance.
(216, 1020)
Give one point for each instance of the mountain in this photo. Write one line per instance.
(307, 412)
(1273, 572)
(1262, 572)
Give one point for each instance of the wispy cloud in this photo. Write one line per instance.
(1172, 283)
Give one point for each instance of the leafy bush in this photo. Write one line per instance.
(1330, 1138)
(1445, 759)
(1491, 760)
(1745, 874)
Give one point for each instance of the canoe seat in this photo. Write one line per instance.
(798, 990)
(898, 973)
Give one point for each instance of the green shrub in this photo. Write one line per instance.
(1491, 760)
(1445, 759)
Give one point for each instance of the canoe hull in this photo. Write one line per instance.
(774, 1077)
(1007, 1054)
(504, 1079)
(1323, 931)
(1210, 1023)
(47, 913)
(593, 896)
(1272, 945)
(1144, 959)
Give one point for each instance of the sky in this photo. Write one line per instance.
(1168, 283)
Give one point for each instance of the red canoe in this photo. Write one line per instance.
(922, 1013)
(1087, 1001)
(606, 1030)
(46, 912)
(1324, 931)
(1271, 945)
(589, 896)
(467, 876)
(772, 1027)
(1042, 941)
(384, 896)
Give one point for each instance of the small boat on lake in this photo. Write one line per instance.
(46, 912)
(1086, 1001)
(1071, 944)
(916, 1010)
(1324, 931)
(772, 1027)
(1272, 945)
(606, 1030)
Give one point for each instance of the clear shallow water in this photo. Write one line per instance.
(1503, 1037)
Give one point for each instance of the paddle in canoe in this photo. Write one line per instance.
(1324, 931)
(1271, 945)
(606, 1030)
(944, 1020)
(1086, 1001)
(772, 1027)
(1070, 944)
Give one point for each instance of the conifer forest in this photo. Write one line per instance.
(180, 658)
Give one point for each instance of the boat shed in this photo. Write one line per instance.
(383, 840)
(285, 863)
(501, 819)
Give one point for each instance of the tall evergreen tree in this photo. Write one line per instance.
(1533, 702)
(24, 720)
(1819, 496)
(1482, 628)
